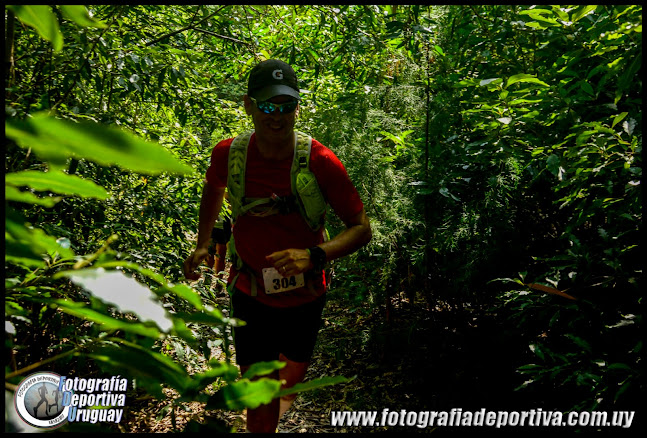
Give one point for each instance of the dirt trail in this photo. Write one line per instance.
(420, 360)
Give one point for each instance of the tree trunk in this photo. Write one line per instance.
(10, 73)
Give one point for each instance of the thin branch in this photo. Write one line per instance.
(10, 62)
(39, 364)
(190, 26)
(208, 32)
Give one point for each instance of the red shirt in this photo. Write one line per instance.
(256, 237)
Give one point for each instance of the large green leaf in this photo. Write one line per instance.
(543, 16)
(79, 14)
(21, 253)
(41, 18)
(618, 118)
(125, 293)
(149, 368)
(314, 384)
(263, 368)
(181, 290)
(525, 78)
(107, 323)
(57, 140)
(12, 193)
(582, 11)
(245, 394)
(57, 182)
(185, 292)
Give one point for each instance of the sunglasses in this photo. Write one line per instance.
(269, 107)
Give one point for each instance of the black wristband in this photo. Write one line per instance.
(317, 257)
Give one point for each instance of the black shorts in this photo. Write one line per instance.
(270, 331)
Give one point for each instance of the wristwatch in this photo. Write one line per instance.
(317, 257)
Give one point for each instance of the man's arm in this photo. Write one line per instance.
(357, 234)
(210, 205)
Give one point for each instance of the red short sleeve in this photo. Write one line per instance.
(216, 175)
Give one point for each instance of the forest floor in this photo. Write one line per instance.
(421, 359)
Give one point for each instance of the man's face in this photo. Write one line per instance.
(275, 127)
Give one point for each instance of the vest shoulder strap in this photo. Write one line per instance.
(302, 153)
(236, 172)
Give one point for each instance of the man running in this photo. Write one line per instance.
(279, 286)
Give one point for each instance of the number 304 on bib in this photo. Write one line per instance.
(275, 282)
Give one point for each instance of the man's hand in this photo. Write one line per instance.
(209, 208)
(193, 261)
(290, 261)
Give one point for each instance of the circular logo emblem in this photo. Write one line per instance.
(39, 402)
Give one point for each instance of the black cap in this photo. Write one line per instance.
(272, 78)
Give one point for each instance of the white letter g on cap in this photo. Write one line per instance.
(277, 74)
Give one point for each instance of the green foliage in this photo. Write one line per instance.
(541, 120)
(55, 141)
(128, 309)
(42, 19)
(485, 141)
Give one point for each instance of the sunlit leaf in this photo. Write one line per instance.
(12, 193)
(488, 81)
(57, 182)
(245, 394)
(628, 126)
(541, 15)
(181, 290)
(582, 12)
(43, 19)
(525, 78)
(618, 118)
(57, 140)
(80, 15)
(263, 368)
(218, 369)
(125, 293)
(106, 322)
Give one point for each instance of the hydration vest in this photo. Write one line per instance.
(306, 194)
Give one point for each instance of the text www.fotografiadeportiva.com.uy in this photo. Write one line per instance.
(483, 418)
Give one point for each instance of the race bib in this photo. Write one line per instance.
(275, 282)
